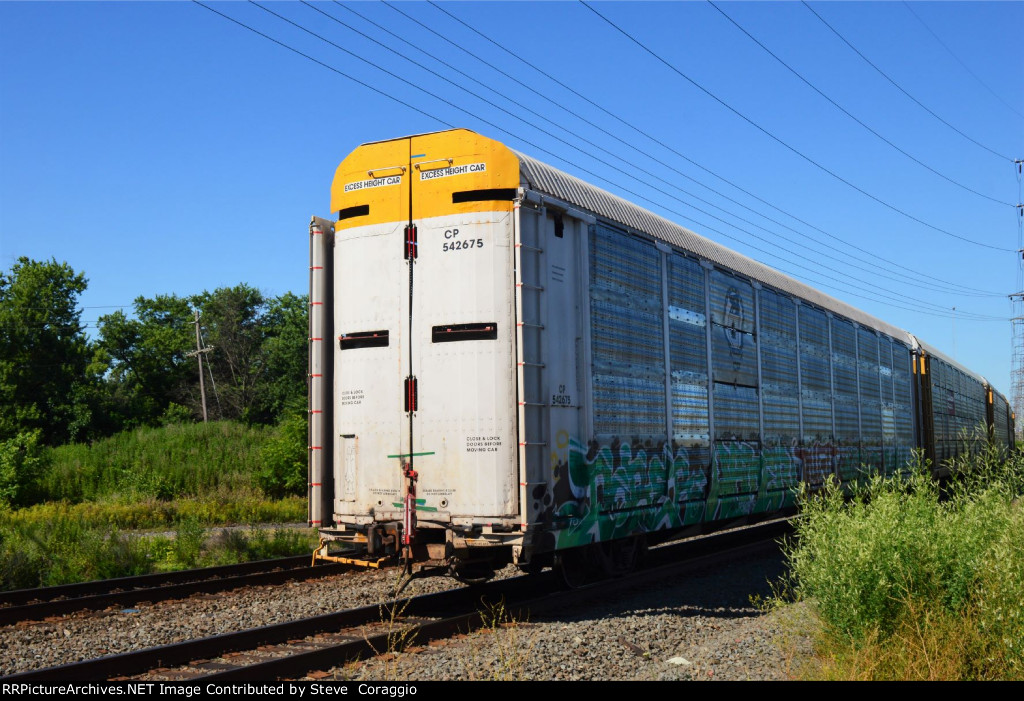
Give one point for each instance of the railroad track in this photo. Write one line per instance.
(38, 604)
(292, 649)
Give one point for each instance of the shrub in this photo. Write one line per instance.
(179, 460)
(284, 458)
(900, 577)
(22, 460)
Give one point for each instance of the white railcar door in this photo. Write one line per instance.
(425, 310)
(371, 311)
(463, 331)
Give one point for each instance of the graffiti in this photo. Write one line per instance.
(819, 461)
(782, 467)
(733, 321)
(601, 492)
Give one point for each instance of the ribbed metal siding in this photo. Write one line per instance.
(958, 404)
(903, 407)
(1001, 423)
(545, 179)
(687, 322)
(734, 358)
(870, 399)
(627, 337)
(847, 399)
(886, 397)
(779, 369)
(816, 397)
(779, 388)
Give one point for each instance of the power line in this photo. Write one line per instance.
(900, 88)
(669, 148)
(852, 116)
(845, 261)
(328, 67)
(548, 133)
(635, 194)
(779, 141)
(965, 67)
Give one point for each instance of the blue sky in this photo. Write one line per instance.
(160, 148)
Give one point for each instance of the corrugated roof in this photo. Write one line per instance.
(932, 350)
(548, 180)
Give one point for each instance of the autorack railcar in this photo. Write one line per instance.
(510, 364)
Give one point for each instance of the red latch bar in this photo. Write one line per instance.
(410, 242)
(410, 393)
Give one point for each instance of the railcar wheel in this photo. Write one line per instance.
(534, 567)
(622, 556)
(472, 573)
(573, 566)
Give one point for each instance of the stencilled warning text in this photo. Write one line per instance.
(351, 396)
(375, 182)
(453, 170)
(483, 444)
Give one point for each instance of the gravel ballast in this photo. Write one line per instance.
(699, 627)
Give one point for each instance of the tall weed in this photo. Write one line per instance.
(901, 577)
(161, 463)
(64, 550)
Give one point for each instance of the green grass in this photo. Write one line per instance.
(64, 550)
(150, 513)
(181, 460)
(89, 502)
(910, 586)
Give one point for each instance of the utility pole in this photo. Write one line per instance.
(1017, 313)
(198, 353)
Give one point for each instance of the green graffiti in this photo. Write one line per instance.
(603, 492)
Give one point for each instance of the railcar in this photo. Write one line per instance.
(510, 364)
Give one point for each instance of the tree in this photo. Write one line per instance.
(287, 352)
(146, 355)
(257, 363)
(233, 323)
(259, 351)
(46, 383)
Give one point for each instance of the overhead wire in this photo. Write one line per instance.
(957, 58)
(852, 116)
(795, 253)
(324, 65)
(900, 87)
(443, 100)
(785, 144)
(906, 269)
(870, 271)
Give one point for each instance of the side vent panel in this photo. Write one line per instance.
(364, 339)
(486, 331)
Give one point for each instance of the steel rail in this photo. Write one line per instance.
(428, 617)
(128, 591)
